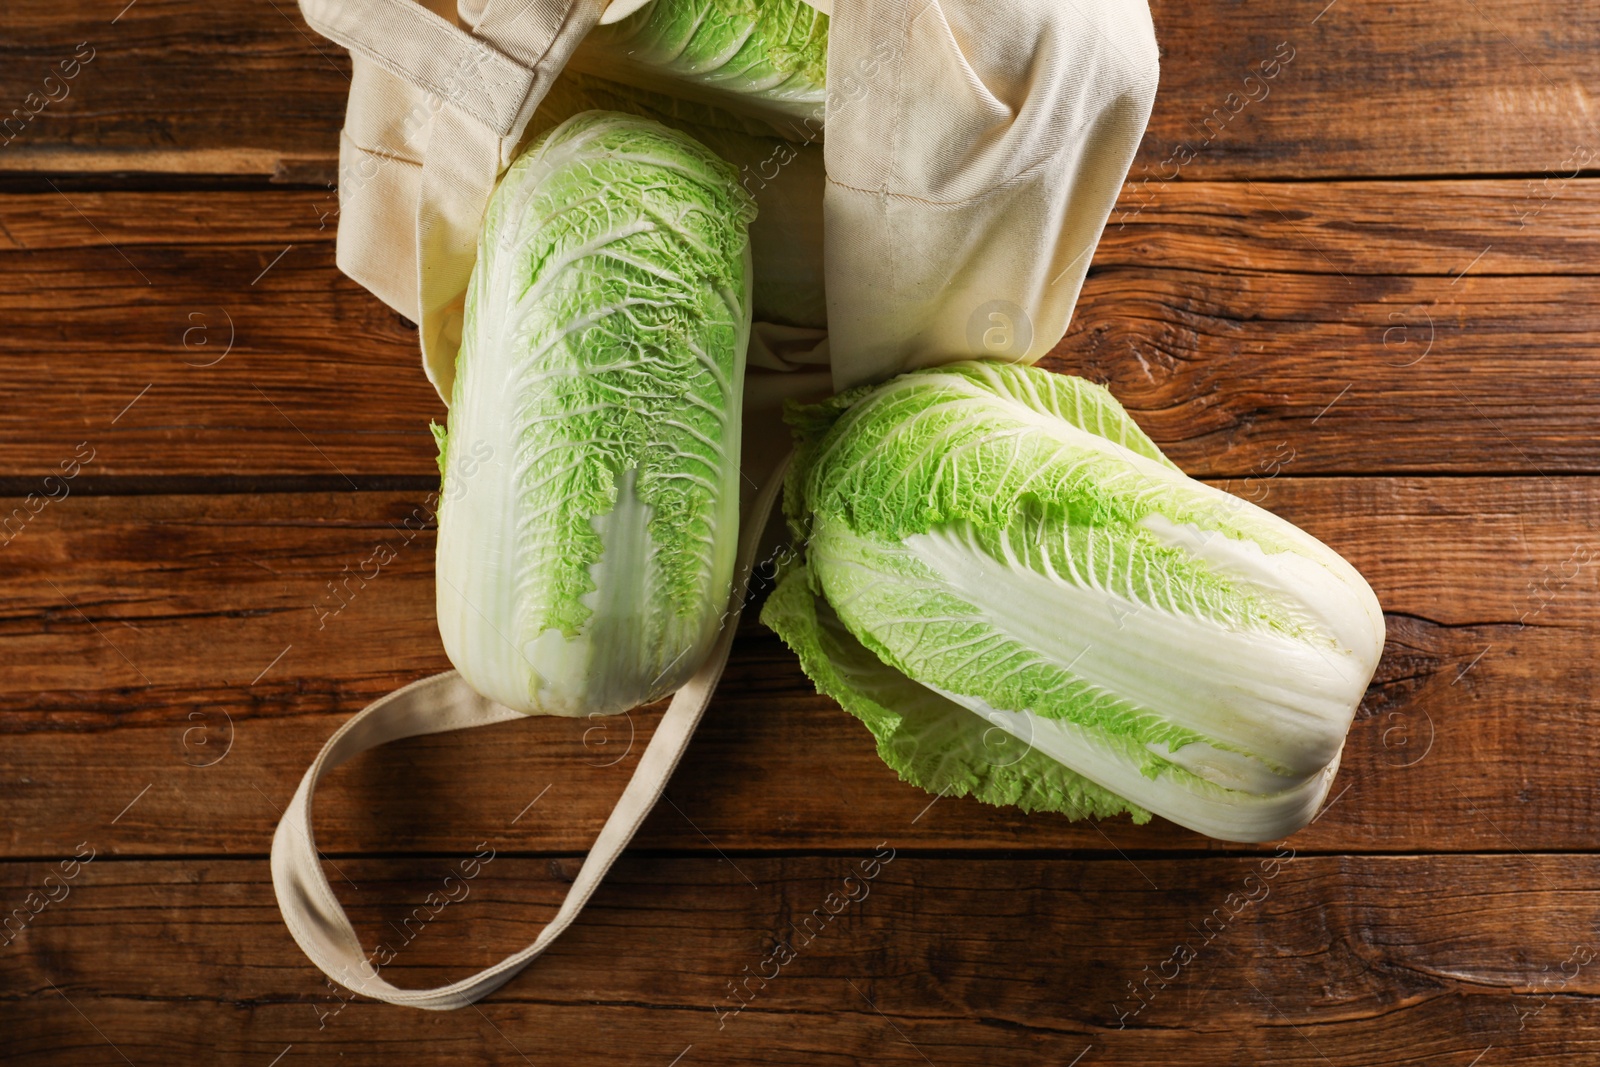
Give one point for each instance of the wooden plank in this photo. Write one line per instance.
(143, 634)
(203, 335)
(1347, 326)
(1303, 960)
(249, 89)
(1371, 88)
(1432, 228)
(171, 86)
(1400, 327)
(1239, 373)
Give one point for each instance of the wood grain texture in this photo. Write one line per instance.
(246, 88)
(183, 334)
(1313, 328)
(1349, 326)
(173, 86)
(1374, 88)
(148, 633)
(1238, 372)
(1302, 961)
(1514, 228)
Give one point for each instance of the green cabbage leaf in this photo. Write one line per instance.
(771, 52)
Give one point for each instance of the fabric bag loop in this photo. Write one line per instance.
(439, 704)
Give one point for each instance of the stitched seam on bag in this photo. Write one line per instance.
(566, 22)
(459, 102)
(490, 119)
(539, 84)
(433, 33)
(499, 61)
(479, 103)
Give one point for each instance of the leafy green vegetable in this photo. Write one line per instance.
(589, 508)
(786, 179)
(930, 740)
(1008, 540)
(774, 51)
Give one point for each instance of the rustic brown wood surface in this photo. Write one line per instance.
(1360, 291)
(1365, 326)
(154, 635)
(1357, 88)
(1291, 959)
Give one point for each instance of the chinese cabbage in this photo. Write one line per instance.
(589, 508)
(1009, 540)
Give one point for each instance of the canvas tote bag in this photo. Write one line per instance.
(944, 206)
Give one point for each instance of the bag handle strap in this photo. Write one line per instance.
(432, 53)
(442, 703)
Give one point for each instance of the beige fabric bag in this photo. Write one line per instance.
(971, 155)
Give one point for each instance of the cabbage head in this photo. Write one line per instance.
(770, 51)
(1025, 601)
(589, 508)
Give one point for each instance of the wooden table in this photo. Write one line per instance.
(1369, 300)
